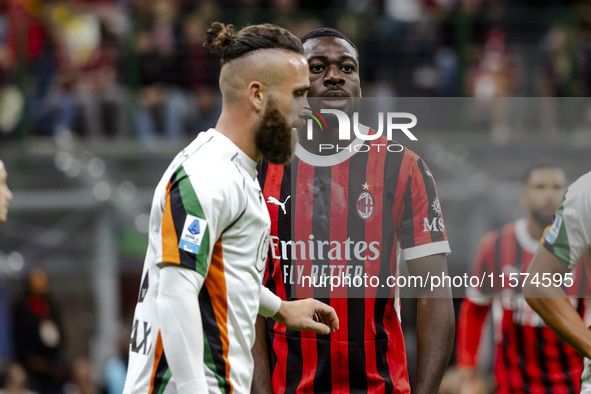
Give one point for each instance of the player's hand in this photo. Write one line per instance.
(471, 382)
(308, 314)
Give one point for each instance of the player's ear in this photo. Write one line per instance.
(257, 96)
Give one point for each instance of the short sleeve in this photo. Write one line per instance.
(568, 237)
(422, 229)
(197, 209)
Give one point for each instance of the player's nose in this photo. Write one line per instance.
(333, 77)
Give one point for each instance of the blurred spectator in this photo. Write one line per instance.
(59, 59)
(584, 59)
(82, 379)
(284, 6)
(494, 74)
(5, 193)
(162, 105)
(15, 380)
(200, 66)
(30, 47)
(300, 26)
(559, 62)
(141, 14)
(5, 319)
(12, 101)
(76, 37)
(101, 96)
(201, 75)
(446, 61)
(38, 334)
(207, 108)
(493, 78)
(87, 78)
(6, 337)
(557, 75)
(116, 366)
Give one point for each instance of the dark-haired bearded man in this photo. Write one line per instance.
(201, 287)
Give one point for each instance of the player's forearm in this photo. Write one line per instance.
(559, 314)
(269, 303)
(181, 327)
(470, 323)
(261, 380)
(435, 336)
(552, 304)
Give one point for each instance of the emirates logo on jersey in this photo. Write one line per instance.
(365, 205)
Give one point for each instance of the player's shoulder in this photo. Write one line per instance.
(581, 188)
(507, 228)
(489, 239)
(214, 154)
(492, 237)
(210, 162)
(583, 181)
(510, 228)
(398, 151)
(411, 161)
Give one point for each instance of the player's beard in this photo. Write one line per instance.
(273, 136)
(542, 219)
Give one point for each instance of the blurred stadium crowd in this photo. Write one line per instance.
(137, 68)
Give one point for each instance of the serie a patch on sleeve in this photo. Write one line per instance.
(552, 233)
(192, 235)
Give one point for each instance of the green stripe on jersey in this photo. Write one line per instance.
(165, 379)
(193, 207)
(210, 363)
(557, 236)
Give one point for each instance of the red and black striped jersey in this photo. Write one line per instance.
(352, 212)
(529, 356)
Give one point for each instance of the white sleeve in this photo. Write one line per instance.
(197, 209)
(269, 303)
(177, 307)
(569, 237)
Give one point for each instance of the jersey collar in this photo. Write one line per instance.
(525, 240)
(241, 158)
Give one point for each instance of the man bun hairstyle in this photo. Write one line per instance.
(328, 32)
(223, 39)
(219, 36)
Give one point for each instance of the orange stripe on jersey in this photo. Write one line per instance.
(158, 352)
(215, 282)
(170, 243)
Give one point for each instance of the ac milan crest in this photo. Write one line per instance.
(365, 205)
